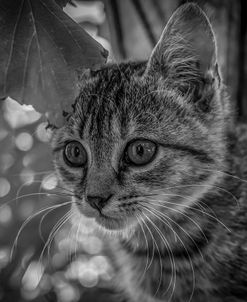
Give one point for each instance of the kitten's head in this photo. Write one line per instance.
(147, 135)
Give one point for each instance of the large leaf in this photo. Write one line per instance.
(63, 3)
(40, 50)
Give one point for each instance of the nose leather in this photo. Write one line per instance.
(98, 202)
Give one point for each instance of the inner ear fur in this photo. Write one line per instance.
(186, 50)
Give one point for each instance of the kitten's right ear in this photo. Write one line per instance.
(187, 48)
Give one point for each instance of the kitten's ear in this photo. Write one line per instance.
(186, 48)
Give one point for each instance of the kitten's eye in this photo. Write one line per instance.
(75, 154)
(140, 152)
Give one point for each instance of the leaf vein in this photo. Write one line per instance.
(53, 72)
(64, 25)
(25, 66)
(12, 46)
(38, 45)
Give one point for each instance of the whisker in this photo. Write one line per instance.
(200, 203)
(76, 238)
(157, 247)
(22, 186)
(34, 173)
(153, 240)
(33, 194)
(197, 185)
(65, 189)
(147, 247)
(29, 219)
(190, 260)
(173, 221)
(183, 197)
(205, 213)
(171, 257)
(182, 213)
(42, 220)
(70, 255)
(53, 233)
(226, 174)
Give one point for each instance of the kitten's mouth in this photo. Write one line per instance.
(106, 221)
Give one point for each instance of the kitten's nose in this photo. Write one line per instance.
(97, 202)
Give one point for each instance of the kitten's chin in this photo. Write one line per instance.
(111, 227)
(104, 223)
(110, 223)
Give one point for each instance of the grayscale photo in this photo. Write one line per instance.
(123, 151)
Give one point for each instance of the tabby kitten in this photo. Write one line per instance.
(148, 155)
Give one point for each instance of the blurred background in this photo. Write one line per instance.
(50, 261)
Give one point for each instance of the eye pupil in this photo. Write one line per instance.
(76, 152)
(140, 150)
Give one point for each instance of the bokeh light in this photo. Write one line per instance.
(4, 257)
(83, 270)
(24, 141)
(5, 214)
(67, 293)
(101, 263)
(89, 270)
(4, 187)
(43, 134)
(6, 161)
(27, 176)
(45, 283)
(58, 259)
(28, 159)
(49, 182)
(3, 134)
(30, 295)
(89, 277)
(32, 276)
(91, 244)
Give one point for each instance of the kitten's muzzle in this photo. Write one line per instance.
(98, 202)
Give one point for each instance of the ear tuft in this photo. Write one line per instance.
(186, 49)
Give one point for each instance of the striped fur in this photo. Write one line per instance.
(176, 217)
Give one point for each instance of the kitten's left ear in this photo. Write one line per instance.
(186, 48)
